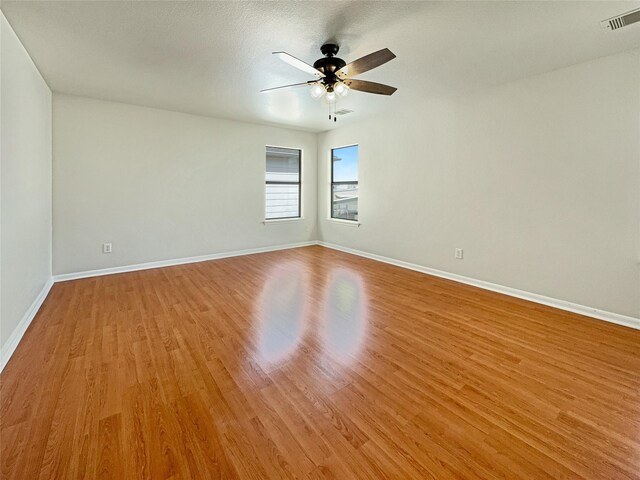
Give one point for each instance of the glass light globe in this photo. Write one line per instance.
(341, 89)
(317, 90)
(331, 96)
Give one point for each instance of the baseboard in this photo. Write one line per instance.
(513, 292)
(178, 261)
(7, 350)
(12, 343)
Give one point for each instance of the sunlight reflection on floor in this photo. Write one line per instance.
(282, 313)
(345, 322)
(284, 317)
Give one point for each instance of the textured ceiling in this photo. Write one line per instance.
(212, 58)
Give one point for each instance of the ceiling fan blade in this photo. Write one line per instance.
(288, 86)
(369, 87)
(299, 64)
(366, 63)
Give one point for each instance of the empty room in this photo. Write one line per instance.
(320, 240)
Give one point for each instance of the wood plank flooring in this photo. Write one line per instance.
(312, 363)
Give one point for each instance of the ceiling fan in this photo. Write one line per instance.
(334, 75)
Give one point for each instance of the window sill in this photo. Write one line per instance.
(282, 220)
(351, 223)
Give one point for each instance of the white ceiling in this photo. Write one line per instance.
(212, 58)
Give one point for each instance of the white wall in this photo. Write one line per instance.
(162, 185)
(25, 177)
(537, 180)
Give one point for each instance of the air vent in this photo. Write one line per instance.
(344, 111)
(621, 20)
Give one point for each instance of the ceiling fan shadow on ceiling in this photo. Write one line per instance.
(334, 75)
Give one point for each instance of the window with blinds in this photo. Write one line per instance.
(283, 187)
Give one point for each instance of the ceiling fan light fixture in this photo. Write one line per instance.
(317, 90)
(331, 97)
(341, 89)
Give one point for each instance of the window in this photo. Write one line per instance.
(344, 183)
(283, 183)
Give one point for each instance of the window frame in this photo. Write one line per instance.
(332, 183)
(299, 183)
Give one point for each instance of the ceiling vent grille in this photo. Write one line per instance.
(344, 111)
(621, 20)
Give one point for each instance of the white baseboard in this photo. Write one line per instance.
(7, 350)
(12, 343)
(178, 261)
(513, 292)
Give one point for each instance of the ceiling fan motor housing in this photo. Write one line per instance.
(329, 65)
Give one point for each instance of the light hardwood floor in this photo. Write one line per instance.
(311, 363)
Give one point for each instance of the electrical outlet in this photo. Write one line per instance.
(459, 253)
(106, 248)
